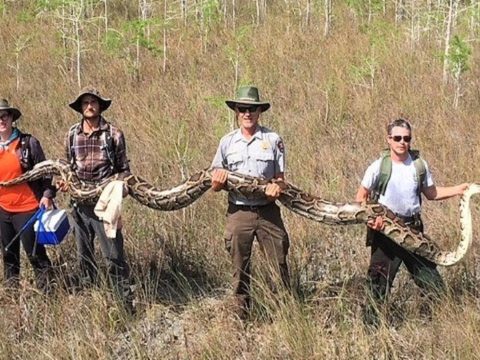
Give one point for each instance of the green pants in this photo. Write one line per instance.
(386, 258)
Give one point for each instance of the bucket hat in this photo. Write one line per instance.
(77, 103)
(248, 95)
(6, 107)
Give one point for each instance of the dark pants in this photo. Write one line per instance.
(10, 225)
(243, 225)
(385, 261)
(86, 226)
(386, 258)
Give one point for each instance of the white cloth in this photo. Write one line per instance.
(109, 207)
(401, 194)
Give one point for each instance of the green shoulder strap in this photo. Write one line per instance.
(386, 172)
(420, 170)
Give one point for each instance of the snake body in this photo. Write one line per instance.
(293, 198)
(327, 212)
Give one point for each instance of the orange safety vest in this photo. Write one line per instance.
(16, 198)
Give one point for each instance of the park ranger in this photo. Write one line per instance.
(256, 151)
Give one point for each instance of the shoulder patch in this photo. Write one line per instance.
(280, 146)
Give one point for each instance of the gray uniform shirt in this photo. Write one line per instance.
(262, 156)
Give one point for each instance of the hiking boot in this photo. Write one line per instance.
(239, 306)
(45, 281)
(426, 311)
(130, 308)
(371, 316)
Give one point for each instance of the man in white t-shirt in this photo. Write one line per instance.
(400, 190)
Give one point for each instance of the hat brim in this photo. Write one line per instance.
(14, 111)
(77, 103)
(264, 106)
(15, 114)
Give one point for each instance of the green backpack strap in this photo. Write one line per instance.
(384, 177)
(420, 169)
(386, 173)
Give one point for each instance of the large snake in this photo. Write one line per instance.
(293, 198)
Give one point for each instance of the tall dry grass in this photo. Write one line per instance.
(331, 109)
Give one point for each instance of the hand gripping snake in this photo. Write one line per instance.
(293, 198)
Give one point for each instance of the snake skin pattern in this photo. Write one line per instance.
(293, 198)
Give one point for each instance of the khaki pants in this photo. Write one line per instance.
(243, 225)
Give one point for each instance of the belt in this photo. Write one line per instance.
(236, 207)
(410, 219)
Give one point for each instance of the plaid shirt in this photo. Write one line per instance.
(91, 154)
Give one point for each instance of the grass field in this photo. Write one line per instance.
(169, 66)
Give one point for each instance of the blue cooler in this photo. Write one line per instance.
(52, 227)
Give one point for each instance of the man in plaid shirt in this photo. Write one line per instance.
(96, 150)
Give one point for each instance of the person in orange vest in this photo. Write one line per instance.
(19, 152)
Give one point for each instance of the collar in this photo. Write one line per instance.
(257, 135)
(103, 125)
(15, 134)
(408, 160)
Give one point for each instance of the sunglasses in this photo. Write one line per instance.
(5, 116)
(250, 109)
(398, 138)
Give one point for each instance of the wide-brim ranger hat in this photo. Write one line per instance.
(77, 103)
(6, 107)
(248, 95)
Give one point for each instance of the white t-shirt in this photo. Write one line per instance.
(401, 192)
